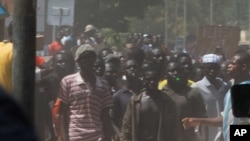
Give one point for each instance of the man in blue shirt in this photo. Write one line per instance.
(238, 69)
(213, 89)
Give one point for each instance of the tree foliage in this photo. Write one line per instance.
(149, 15)
(111, 13)
(113, 38)
(225, 12)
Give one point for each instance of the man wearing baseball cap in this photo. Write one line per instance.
(86, 100)
(90, 32)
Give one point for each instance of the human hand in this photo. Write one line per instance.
(190, 122)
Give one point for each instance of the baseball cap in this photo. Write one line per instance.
(84, 49)
(89, 28)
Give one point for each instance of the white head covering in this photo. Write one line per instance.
(211, 58)
(89, 28)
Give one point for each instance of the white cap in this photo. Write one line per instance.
(89, 28)
(211, 58)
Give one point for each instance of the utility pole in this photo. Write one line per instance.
(166, 22)
(211, 12)
(238, 12)
(176, 18)
(23, 66)
(184, 22)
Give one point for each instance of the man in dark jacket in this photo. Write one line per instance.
(150, 114)
(188, 100)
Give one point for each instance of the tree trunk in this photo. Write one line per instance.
(23, 66)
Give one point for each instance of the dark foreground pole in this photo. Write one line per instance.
(23, 67)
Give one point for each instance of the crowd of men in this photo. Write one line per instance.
(89, 92)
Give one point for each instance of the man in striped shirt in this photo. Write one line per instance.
(86, 100)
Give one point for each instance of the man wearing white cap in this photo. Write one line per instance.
(238, 69)
(213, 89)
(90, 32)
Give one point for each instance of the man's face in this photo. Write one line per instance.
(121, 57)
(99, 68)
(234, 68)
(58, 36)
(223, 70)
(158, 56)
(151, 79)
(131, 69)
(155, 39)
(83, 38)
(61, 64)
(211, 70)
(66, 32)
(111, 73)
(86, 62)
(199, 74)
(92, 32)
(186, 64)
(175, 74)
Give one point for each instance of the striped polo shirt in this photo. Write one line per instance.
(85, 106)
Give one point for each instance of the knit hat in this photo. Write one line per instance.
(84, 49)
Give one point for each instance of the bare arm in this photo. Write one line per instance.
(192, 122)
(64, 121)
